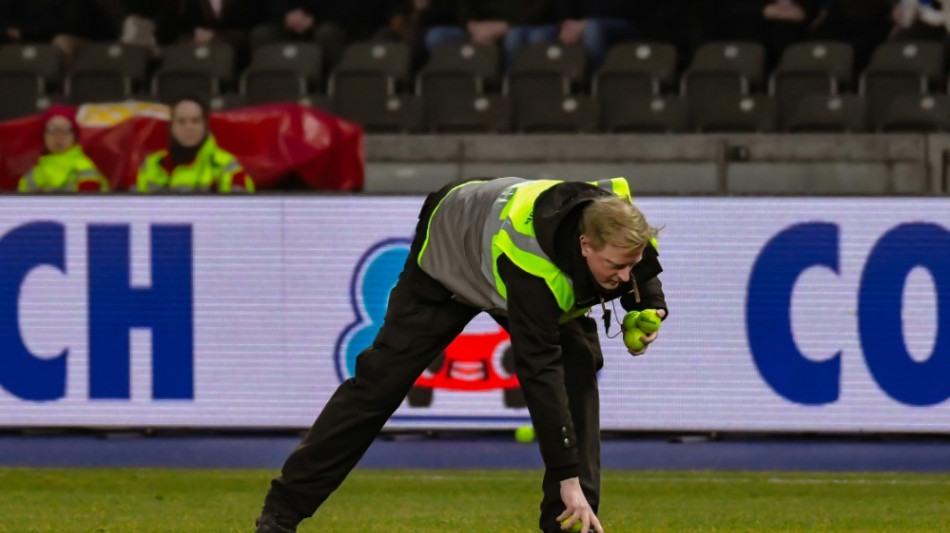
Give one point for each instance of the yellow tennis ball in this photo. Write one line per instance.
(630, 320)
(649, 321)
(631, 338)
(576, 528)
(524, 434)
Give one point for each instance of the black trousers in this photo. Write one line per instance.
(422, 319)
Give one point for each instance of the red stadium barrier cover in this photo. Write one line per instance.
(271, 141)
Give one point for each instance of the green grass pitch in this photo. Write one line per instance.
(168, 500)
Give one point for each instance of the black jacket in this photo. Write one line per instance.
(533, 315)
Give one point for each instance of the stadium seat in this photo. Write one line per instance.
(193, 69)
(282, 72)
(755, 113)
(455, 76)
(266, 86)
(725, 68)
(318, 101)
(223, 102)
(646, 114)
(545, 72)
(900, 68)
(482, 60)
(20, 93)
(96, 86)
(917, 113)
(820, 113)
(573, 114)
(397, 114)
(369, 98)
(107, 72)
(636, 69)
(823, 68)
(352, 91)
(43, 60)
(567, 60)
(633, 71)
(390, 58)
(481, 114)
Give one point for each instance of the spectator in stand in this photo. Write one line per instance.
(136, 21)
(63, 167)
(774, 23)
(517, 23)
(863, 23)
(599, 24)
(332, 24)
(927, 20)
(67, 24)
(409, 20)
(205, 21)
(193, 161)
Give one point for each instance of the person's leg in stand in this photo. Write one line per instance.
(580, 347)
(421, 320)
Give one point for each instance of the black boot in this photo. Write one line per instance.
(272, 523)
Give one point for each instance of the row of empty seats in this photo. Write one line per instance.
(648, 114)
(547, 88)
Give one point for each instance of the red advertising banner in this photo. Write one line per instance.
(271, 141)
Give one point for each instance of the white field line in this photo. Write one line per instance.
(666, 479)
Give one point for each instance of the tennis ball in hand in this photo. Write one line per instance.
(524, 434)
(649, 321)
(631, 338)
(630, 320)
(576, 528)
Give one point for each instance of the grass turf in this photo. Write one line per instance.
(153, 500)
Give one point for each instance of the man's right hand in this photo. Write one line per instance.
(576, 507)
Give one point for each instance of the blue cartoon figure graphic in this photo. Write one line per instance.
(373, 279)
(473, 362)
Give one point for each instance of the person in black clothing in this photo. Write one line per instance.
(600, 24)
(512, 23)
(67, 24)
(774, 23)
(332, 24)
(535, 255)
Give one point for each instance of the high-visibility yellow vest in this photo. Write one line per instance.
(64, 172)
(516, 239)
(212, 169)
(509, 231)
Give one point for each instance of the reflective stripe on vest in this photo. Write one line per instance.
(202, 174)
(616, 186)
(61, 172)
(28, 182)
(425, 243)
(510, 232)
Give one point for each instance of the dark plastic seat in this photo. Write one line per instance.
(750, 114)
(725, 68)
(917, 113)
(821, 113)
(646, 114)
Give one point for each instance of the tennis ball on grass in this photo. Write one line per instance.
(576, 528)
(649, 321)
(631, 338)
(524, 434)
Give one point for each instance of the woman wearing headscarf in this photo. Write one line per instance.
(63, 167)
(193, 161)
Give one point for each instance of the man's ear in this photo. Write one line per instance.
(585, 245)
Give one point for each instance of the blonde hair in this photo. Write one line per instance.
(614, 220)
